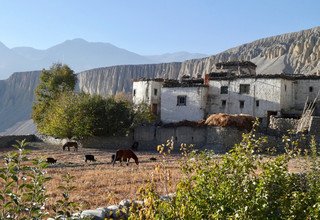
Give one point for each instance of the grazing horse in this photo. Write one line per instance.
(113, 156)
(126, 155)
(89, 157)
(51, 160)
(70, 144)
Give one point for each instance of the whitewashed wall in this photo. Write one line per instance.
(195, 105)
(287, 95)
(144, 92)
(266, 91)
(302, 91)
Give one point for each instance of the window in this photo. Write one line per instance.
(244, 88)
(181, 100)
(155, 92)
(285, 87)
(223, 103)
(241, 104)
(257, 103)
(224, 90)
(134, 92)
(310, 89)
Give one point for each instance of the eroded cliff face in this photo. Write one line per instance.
(293, 53)
(111, 80)
(16, 97)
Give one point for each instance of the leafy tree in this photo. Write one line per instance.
(142, 114)
(53, 82)
(66, 118)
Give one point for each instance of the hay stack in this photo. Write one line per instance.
(225, 120)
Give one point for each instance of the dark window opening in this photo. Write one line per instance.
(223, 103)
(257, 103)
(244, 88)
(155, 92)
(182, 100)
(224, 90)
(285, 87)
(310, 89)
(134, 92)
(241, 104)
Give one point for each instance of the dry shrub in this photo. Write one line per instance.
(225, 120)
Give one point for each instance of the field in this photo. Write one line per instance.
(99, 184)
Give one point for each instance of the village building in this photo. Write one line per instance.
(148, 91)
(233, 88)
(185, 100)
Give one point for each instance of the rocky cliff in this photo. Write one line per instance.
(293, 53)
(16, 97)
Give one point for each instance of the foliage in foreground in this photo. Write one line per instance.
(242, 185)
(23, 192)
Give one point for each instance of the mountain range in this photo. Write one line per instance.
(79, 55)
(292, 53)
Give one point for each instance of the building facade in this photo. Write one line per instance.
(233, 88)
(183, 101)
(148, 91)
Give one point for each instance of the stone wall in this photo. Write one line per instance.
(214, 138)
(314, 127)
(8, 141)
(283, 124)
(115, 142)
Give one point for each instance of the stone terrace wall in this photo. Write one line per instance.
(314, 127)
(95, 142)
(8, 141)
(214, 138)
(283, 124)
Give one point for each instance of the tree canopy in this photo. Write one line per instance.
(53, 82)
(60, 112)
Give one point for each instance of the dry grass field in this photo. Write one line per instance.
(99, 184)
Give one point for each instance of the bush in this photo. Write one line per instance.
(23, 192)
(240, 185)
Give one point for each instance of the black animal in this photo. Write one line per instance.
(153, 159)
(70, 144)
(51, 160)
(135, 145)
(89, 157)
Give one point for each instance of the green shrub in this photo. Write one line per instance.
(241, 185)
(22, 188)
(22, 194)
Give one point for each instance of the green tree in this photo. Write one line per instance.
(53, 82)
(142, 114)
(67, 117)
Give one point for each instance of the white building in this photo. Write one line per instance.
(183, 101)
(148, 91)
(233, 88)
(262, 95)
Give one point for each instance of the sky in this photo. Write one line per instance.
(150, 27)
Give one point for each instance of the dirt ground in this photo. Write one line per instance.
(99, 184)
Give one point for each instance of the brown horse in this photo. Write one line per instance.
(126, 155)
(70, 144)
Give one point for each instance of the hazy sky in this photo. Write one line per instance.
(153, 27)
